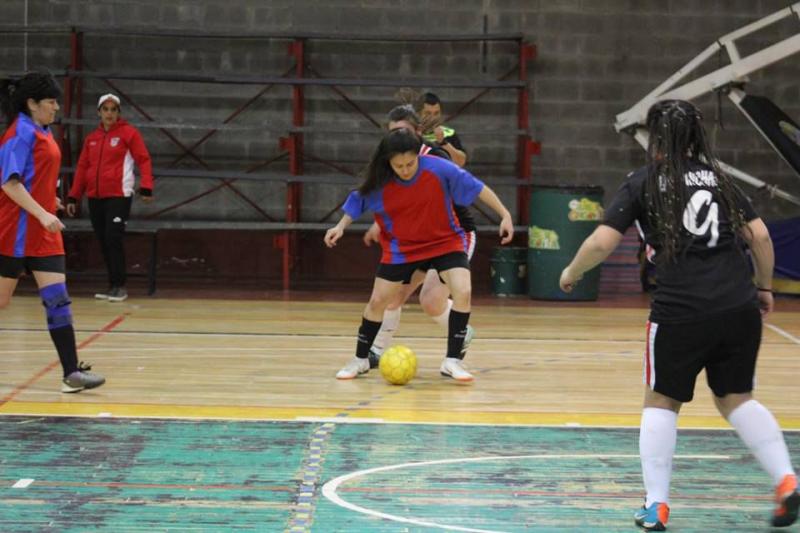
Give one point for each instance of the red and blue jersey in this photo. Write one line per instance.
(416, 217)
(29, 152)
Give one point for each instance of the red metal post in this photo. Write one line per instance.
(73, 95)
(79, 90)
(525, 147)
(294, 145)
(297, 50)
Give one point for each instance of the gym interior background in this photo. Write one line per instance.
(537, 99)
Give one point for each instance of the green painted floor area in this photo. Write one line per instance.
(121, 475)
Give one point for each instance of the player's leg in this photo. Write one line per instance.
(434, 297)
(117, 213)
(11, 269)
(97, 216)
(454, 270)
(7, 287)
(391, 318)
(658, 434)
(731, 379)
(53, 292)
(384, 291)
(674, 355)
(760, 432)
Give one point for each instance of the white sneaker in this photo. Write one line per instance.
(454, 368)
(353, 368)
(103, 295)
(82, 379)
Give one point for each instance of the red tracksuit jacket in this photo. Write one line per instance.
(105, 168)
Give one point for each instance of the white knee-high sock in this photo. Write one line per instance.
(391, 320)
(657, 437)
(759, 430)
(444, 319)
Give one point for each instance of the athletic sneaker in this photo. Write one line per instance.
(467, 340)
(354, 367)
(118, 294)
(103, 295)
(454, 368)
(653, 518)
(374, 358)
(788, 501)
(82, 379)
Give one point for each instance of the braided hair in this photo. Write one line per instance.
(38, 85)
(678, 143)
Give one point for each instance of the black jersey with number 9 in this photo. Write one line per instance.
(710, 275)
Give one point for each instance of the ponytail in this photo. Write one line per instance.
(14, 94)
(8, 106)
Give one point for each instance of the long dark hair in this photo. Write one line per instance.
(14, 94)
(678, 143)
(379, 171)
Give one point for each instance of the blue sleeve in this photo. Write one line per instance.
(355, 205)
(13, 156)
(464, 188)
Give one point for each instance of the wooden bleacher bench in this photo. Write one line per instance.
(152, 227)
(85, 226)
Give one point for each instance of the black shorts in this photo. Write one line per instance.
(13, 267)
(726, 345)
(404, 271)
(471, 240)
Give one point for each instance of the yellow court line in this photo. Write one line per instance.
(197, 412)
(786, 286)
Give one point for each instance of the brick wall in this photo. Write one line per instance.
(595, 59)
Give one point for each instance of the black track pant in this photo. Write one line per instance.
(109, 217)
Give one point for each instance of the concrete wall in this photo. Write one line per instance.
(595, 59)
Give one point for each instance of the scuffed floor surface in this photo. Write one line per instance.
(93, 474)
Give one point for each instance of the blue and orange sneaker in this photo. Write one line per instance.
(788, 500)
(653, 518)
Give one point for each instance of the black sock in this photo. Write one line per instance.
(366, 336)
(64, 340)
(456, 332)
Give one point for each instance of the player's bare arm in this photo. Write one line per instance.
(20, 195)
(506, 231)
(757, 238)
(336, 232)
(594, 250)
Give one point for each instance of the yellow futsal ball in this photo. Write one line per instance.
(398, 365)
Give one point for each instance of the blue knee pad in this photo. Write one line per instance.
(57, 305)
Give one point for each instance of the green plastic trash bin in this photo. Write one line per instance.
(509, 265)
(560, 219)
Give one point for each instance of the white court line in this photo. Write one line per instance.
(532, 340)
(133, 353)
(355, 420)
(783, 333)
(329, 489)
(23, 483)
(173, 349)
(339, 420)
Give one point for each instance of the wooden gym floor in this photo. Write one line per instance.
(224, 415)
